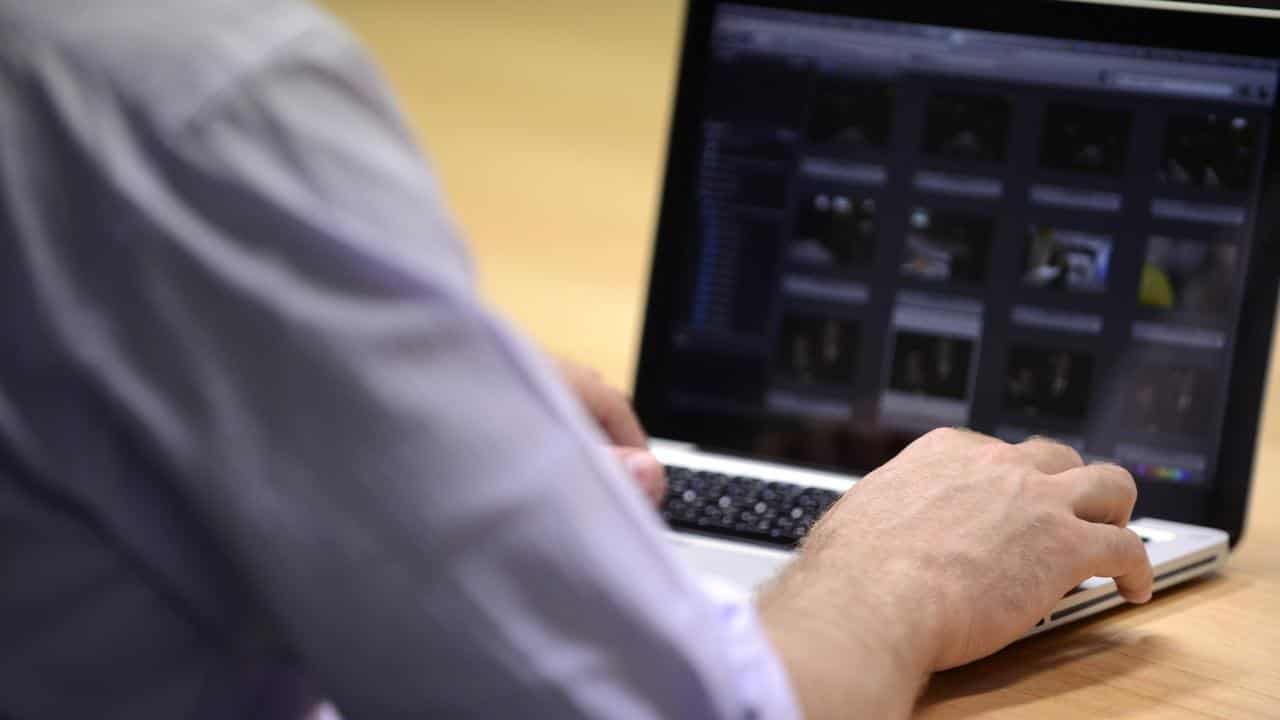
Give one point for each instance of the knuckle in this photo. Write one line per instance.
(1001, 453)
(939, 441)
(1121, 482)
(944, 435)
(1127, 485)
(1063, 452)
(1069, 452)
(1059, 446)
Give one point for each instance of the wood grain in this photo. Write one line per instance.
(547, 122)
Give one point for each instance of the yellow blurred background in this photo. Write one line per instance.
(547, 123)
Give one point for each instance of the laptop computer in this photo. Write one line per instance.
(1027, 217)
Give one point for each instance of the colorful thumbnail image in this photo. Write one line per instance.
(1044, 381)
(1189, 275)
(1084, 138)
(851, 112)
(967, 127)
(931, 365)
(1217, 150)
(945, 246)
(1171, 400)
(814, 349)
(834, 228)
(1067, 260)
(1167, 473)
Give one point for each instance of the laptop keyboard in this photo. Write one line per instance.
(742, 507)
(745, 508)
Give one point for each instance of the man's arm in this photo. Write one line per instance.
(269, 300)
(946, 554)
(613, 414)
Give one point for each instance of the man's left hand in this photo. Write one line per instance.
(612, 411)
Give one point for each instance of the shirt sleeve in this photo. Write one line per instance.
(422, 510)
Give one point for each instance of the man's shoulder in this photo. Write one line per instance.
(168, 57)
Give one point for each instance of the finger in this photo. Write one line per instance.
(1102, 493)
(607, 407)
(1118, 553)
(612, 411)
(1050, 456)
(645, 470)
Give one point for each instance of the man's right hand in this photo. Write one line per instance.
(944, 555)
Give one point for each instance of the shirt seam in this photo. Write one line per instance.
(236, 82)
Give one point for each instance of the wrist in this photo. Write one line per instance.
(845, 651)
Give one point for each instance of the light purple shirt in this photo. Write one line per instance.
(261, 443)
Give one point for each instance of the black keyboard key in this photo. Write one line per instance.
(742, 507)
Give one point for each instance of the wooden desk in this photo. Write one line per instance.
(547, 121)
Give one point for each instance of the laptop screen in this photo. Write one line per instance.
(903, 226)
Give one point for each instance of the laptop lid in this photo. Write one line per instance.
(1022, 216)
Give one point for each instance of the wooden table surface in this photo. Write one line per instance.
(547, 123)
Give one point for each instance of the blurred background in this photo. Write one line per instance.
(547, 123)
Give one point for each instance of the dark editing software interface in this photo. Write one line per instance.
(902, 227)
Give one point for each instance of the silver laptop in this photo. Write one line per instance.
(1028, 217)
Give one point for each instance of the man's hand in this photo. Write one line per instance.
(613, 413)
(942, 556)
